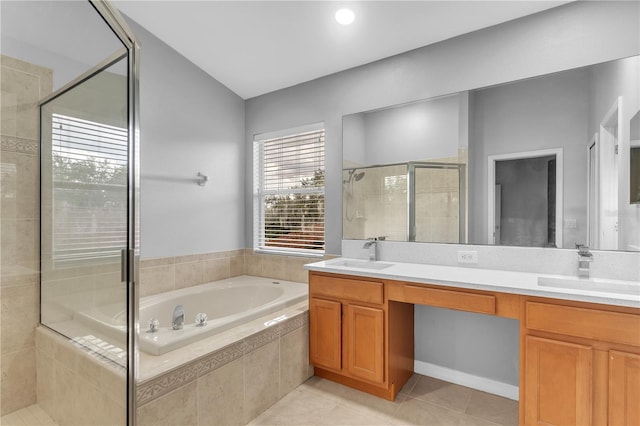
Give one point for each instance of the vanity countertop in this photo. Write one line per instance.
(603, 291)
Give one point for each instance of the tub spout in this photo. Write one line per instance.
(178, 318)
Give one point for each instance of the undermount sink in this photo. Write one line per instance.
(362, 264)
(591, 285)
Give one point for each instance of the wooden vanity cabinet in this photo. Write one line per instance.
(581, 364)
(624, 388)
(350, 338)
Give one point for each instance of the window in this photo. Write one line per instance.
(289, 193)
(89, 189)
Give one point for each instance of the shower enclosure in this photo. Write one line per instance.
(88, 220)
(414, 201)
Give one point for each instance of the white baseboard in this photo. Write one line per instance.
(466, 379)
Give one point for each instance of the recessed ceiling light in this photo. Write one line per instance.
(345, 16)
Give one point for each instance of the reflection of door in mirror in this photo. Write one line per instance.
(592, 194)
(634, 168)
(608, 180)
(525, 211)
(498, 213)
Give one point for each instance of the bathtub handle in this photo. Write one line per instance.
(201, 319)
(153, 324)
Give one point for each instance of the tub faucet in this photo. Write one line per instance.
(177, 321)
(371, 245)
(584, 259)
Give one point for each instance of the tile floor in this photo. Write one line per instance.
(32, 415)
(423, 401)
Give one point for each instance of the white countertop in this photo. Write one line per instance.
(525, 283)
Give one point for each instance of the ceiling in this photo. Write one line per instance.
(255, 47)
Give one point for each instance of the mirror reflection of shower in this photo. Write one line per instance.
(413, 201)
(353, 176)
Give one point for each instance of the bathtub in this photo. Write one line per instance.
(227, 303)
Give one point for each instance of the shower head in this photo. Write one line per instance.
(353, 175)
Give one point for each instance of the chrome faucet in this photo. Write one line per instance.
(371, 245)
(177, 321)
(584, 259)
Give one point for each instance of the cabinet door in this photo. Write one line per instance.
(365, 342)
(624, 389)
(325, 335)
(558, 377)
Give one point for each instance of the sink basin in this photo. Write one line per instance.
(591, 285)
(362, 264)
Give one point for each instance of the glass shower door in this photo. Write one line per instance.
(439, 212)
(84, 232)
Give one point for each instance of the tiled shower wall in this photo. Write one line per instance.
(23, 85)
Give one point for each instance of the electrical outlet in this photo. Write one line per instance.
(468, 256)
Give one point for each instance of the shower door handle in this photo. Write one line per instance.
(123, 264)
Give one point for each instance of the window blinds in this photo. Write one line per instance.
(89, 189)
(289, 193)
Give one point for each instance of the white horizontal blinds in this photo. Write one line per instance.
(89, 189)
(290, 193)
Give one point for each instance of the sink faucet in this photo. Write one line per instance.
(177, 321)
(371, 245)
(584, 258)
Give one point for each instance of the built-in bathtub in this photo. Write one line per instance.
(227, 304)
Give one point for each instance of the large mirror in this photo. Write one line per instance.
(550, 161)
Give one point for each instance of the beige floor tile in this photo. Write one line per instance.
(325, 388)
(408, 387)
(345, 415)
(368, 404)
(11, 419)
(300, 407)
(493, 408)
(32, 415)
(319, 401)
(441, 393)
(416, 412)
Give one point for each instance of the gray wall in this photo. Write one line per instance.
(542, 113)
(68, 37)
(477, 344)
(569, 36)
(189, 123)
(414, 132)
(546, 42)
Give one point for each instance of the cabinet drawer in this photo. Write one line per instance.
(345, 288)
(595, 324)
(460, 300)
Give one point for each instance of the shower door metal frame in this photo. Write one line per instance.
(131, 270)
(131, 255)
